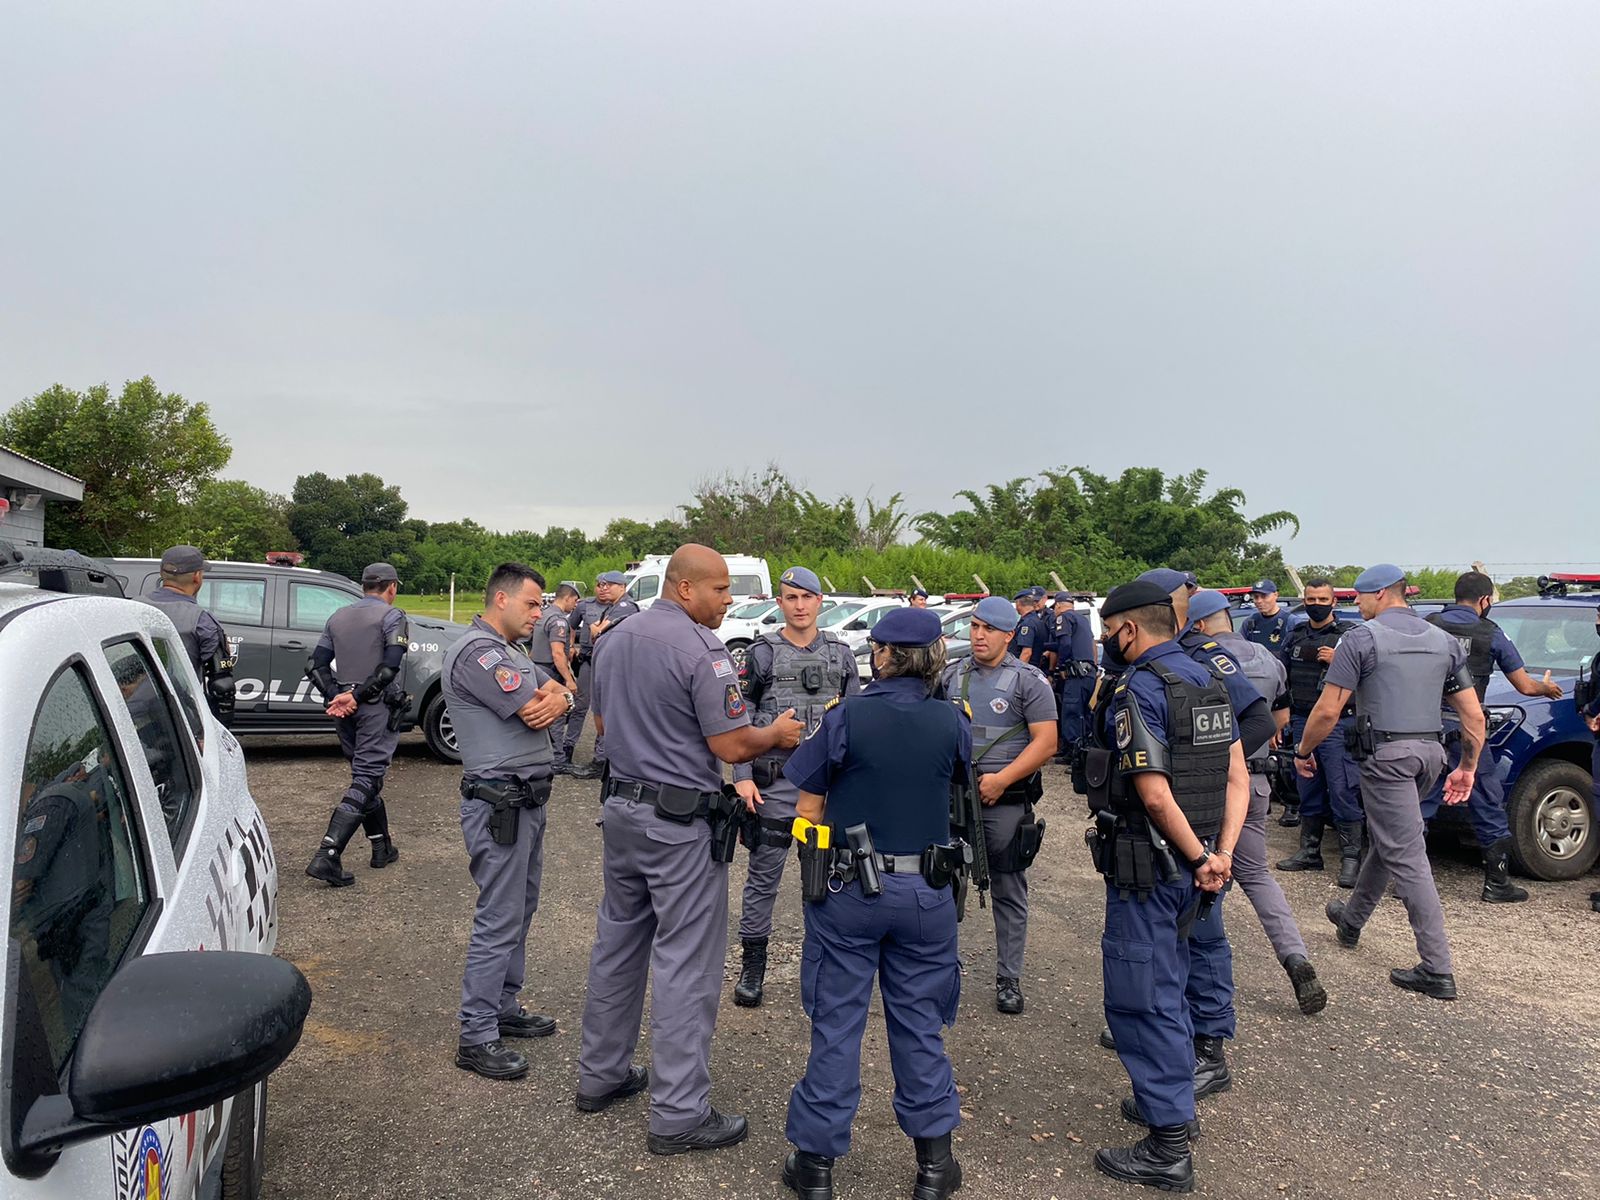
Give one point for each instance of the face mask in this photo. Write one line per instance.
(1113, 652)
(1486, 609)
(1319, 612)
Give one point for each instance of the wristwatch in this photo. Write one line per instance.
(572, 701)
(1196, 863)
(1301, 754)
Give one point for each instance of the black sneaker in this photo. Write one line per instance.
(524, 1024)
(492, 1060)
(634, 1082)
(715, 1132)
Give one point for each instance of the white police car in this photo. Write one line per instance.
(132, 1068)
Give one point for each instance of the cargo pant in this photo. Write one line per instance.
(508, 896)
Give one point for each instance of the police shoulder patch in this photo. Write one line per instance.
(1223, 663)
(508, 679)
(488, 658)
(27, 850)
(733, 702)
(1124, 728)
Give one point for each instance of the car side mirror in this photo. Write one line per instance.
(170, 1034)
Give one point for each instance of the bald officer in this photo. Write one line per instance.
(1014, 734)
(802, 670)
(502, 705)
(667, 695)
(1397, 666)
(183, 570)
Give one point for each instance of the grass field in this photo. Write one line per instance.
(439, 606)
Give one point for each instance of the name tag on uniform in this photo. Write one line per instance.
(1213, 724)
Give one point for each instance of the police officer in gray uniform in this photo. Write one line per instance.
(667, 695)
(367, 642)
(1397, 666)
(1013, 712)
(182, 572)
(804, 671)
(1211, 615)
(550, 643)
(502, 705)
(593, 619)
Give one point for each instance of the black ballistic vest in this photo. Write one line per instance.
(1305, 678)
(1478, 639)
(899, 762)
(1199, 746)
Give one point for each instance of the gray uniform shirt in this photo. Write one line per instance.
(1400, 703)
(554, 629)
(1003, 697)
(486, 680)
(663, 684)
(199, 631)
(358, 634)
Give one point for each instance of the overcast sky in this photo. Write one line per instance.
(551, 263)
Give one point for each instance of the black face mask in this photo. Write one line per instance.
(1112, 651)
(1319, 612)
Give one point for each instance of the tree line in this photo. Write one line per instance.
(151, 463)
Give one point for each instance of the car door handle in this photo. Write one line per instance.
(294, 645)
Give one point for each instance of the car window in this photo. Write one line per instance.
(311, 604)
(645, 587)
(836, 617)
(1551, 637)
(241, 601)
(957, 627)
(873, 616)
(172, 655)
(747, 585)
(165, 747)
(79, 888)
(752, 610)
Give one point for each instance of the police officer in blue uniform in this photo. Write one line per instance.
(1169, 801)
(183, 570)
(919, 598)
(502, 705)
(1026, 642)
(1074, 669)
(667, 697)
(1269, 624)
(591, 621)
(800, 670)
(1397, 666)
(367, 641)
(1013, 716)
(1487, 648)
(1333, 789)
(878, 771)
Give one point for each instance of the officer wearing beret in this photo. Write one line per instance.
(1396, 666)
(1013, 713)
(796, 669)
(1269, 624)
(1212, 616)
(878, 771)
(919, 598)
(183, 570)
(368, 641)
(1170, 801)
(1074, 668)
(608, 608)
(1333, 789)
(667, 696)
(502, 705)
(1487, 648)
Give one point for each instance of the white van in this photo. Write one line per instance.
(646, 577)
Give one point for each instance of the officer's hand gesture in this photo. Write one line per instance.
(990, 789)
(1593, 723)
(789, 731)
(1551, 688)
(342, 705)
(752, 795)
(1324, 655)
(1458, 786)
(1306, 768)
(1213, 873)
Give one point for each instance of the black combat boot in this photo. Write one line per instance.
(1309, 857)
(752, 974)
(1429, 983)
(376, 823)
(1211, 1074)
(1290, 816)
(1308, 990)
(938, 1172)
(1161, 1160)
(1007, 995)
(1497, 885)
(1130, 1112)
(588, 772)
(809, 1175)
(1350, 835)
(326, 864)
(1347, 933)
(1106, 1040)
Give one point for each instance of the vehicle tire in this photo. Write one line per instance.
(439, 733)
(736, 649)
(1552, 817)
(244, 1159)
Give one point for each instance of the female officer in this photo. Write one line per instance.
(882, 759)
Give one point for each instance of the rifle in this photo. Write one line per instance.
(966, 822)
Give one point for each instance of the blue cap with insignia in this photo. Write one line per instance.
(923, 592)
(804, 579)
(1376, 578)
(908, 627)
(1190, 578)
(1063, 597)
(996, 613)
(1164, 578)
(1024, 594)
(1206, 603)
(616, 577)
(1265, 588)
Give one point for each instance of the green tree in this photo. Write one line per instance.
(143, 456)
(231, 519)
(344, 524)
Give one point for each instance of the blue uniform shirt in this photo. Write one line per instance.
(1267, 631)
(812, 766)
(1501, 649)
(1241, 692)
(1147, 690)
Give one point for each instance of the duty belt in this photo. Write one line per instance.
(669, 800)
(519, 793)
(1427, 735)
(1077, 669)
(1259, 766)
(893, 864)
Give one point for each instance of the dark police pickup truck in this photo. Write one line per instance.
(273, 616)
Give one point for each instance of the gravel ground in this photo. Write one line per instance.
(1384, 1093)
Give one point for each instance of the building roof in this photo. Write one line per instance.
(18, 470)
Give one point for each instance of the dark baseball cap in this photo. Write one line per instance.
(379, 572)
(616, 577)
(180, 560)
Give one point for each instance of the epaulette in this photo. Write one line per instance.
(832, 703)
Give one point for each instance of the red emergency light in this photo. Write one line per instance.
(1569, 577)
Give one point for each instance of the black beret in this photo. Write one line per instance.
(1140, 593)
